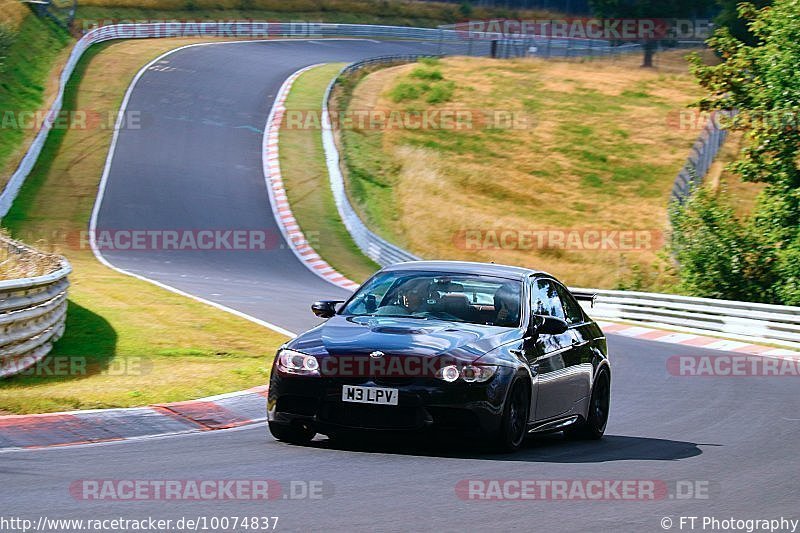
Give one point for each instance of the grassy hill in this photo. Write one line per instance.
(592, 150)
(30, 48)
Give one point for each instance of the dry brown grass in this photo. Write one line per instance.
(12, 13)
(18, 263)
(742, 195)
(603, 155)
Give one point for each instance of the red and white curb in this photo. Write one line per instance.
(691, 339)
(21, 432)
(277, 194)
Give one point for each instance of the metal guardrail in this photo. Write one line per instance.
(376, 248)
(33, 312)
(703, 153)
(779, 324)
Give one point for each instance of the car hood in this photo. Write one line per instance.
(362, 335)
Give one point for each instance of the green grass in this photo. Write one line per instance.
(371, 177)
(31, 56)
(91, 13)
(305, 177)
(403, 92)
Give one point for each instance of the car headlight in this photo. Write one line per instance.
(475, 373)
(448, 373)
(469, 373)
(294, 362)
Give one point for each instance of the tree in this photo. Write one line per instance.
(650, 9)
(759, 81)
(729, 18)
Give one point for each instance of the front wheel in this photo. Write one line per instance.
(514, 426)
(292, 434)
(593, 427)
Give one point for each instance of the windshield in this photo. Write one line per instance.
(453, 297)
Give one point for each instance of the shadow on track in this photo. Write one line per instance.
(552, 448)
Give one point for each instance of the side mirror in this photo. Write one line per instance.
(547, 325)
(325, 308)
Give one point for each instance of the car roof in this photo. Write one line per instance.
(466, 267)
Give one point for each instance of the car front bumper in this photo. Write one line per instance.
(423, 403)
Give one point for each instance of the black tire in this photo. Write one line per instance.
(293, 434)
(514, 426)
(593, 427)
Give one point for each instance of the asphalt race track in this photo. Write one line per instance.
(196, 163)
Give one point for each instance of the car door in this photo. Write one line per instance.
(553, 354)
(578, 359)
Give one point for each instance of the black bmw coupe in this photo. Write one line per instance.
(493, 350)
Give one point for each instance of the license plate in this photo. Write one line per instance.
(375, 395)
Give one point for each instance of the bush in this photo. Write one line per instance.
(426, 74)
(404, 91)
(789, 272)
(719, 255)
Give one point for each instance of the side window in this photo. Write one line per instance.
(572, 309)
(545, 300)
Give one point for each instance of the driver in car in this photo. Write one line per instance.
(412, 298)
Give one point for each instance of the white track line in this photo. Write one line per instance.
(101, 193)
(107, 169)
